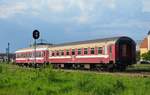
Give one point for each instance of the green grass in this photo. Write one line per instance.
(15, 80)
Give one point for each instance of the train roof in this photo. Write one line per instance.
(76, 43)
(32, 47)
(88, 41)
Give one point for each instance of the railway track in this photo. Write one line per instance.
(130, 74)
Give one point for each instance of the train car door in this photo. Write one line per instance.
(46, 55)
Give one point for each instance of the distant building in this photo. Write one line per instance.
(145, 44)
(138, 43)
(4, 57)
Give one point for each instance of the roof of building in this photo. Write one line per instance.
(144, 43)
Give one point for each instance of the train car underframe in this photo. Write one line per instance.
(89, 66)
(79, 66)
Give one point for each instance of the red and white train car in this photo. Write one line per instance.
(90, 54)
(26, 56)
(107, 52)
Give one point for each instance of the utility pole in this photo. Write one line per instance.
(7, 52)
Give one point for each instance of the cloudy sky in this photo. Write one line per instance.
(71, 20)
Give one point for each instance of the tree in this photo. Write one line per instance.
(146, 56)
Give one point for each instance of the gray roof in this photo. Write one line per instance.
(87, 41)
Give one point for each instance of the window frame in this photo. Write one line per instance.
(57, 53)
(100, 50)
(79, 51)
(92, 50)
(85, 51)
(67, 52)
(73, 52)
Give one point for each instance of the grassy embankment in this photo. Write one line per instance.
(15, 80)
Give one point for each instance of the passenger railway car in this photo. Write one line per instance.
(107, 53)
(26, 56)
(94, 54)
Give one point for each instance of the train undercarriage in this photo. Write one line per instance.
(79, 66)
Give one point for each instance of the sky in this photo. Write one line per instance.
(62, 21)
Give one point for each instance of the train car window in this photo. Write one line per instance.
(43, 53)
(73, 51)
(33, 54)
(124, 50)
(92, 51)
(85, 50)
(79, 51)
(27, 55)
(57, 53)
(30, 54)
(100, 50)
(62, 52)
(22, 55)
(53, 54)
(39, 54)
(36, 54)
(110, 51)
(67, 52)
